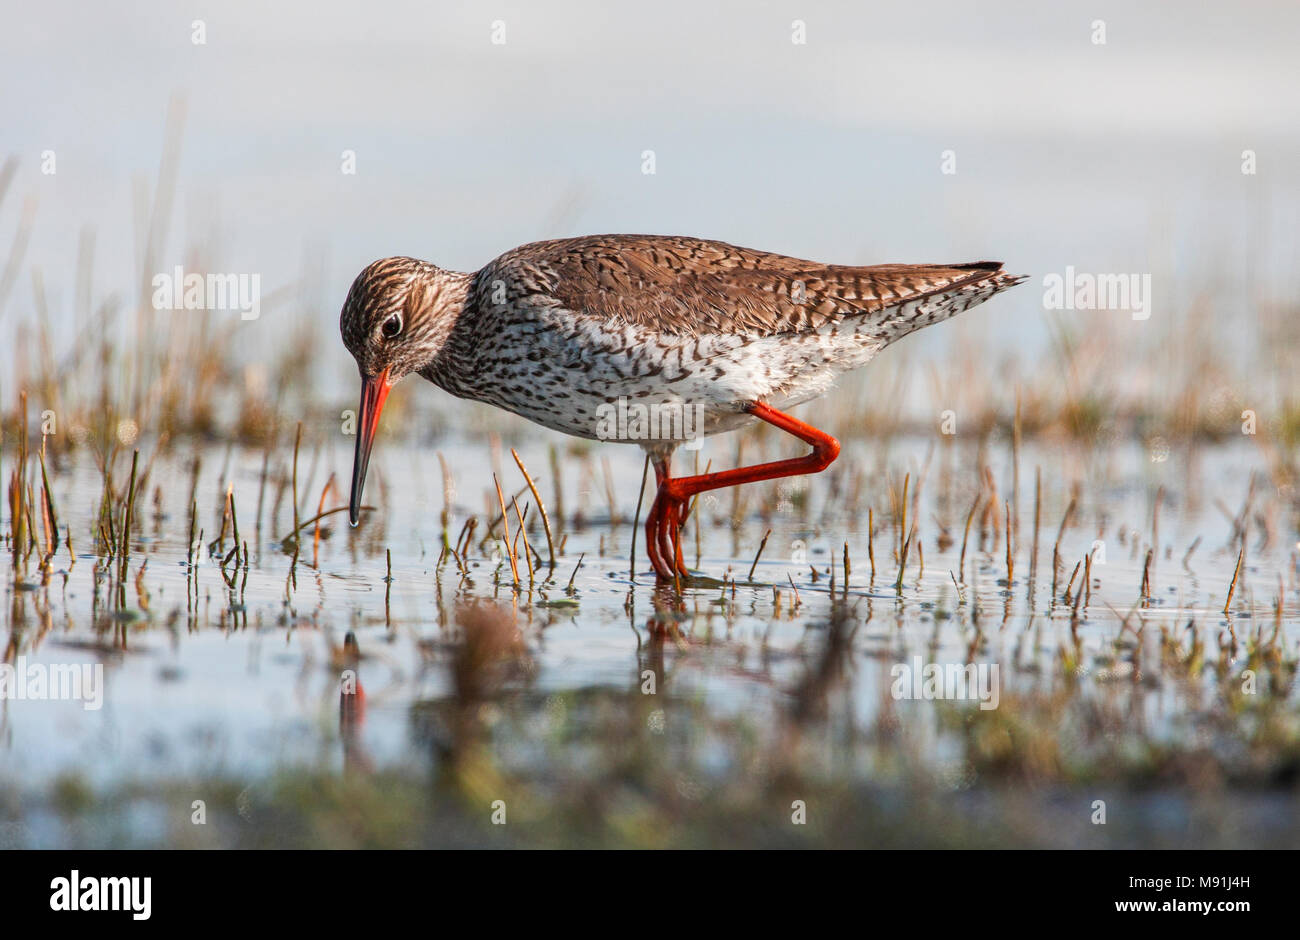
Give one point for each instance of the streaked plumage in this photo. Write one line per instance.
(554, 330)
(691, 287)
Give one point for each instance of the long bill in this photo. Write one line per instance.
(374, 391)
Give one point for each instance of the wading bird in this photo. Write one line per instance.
(558, 331)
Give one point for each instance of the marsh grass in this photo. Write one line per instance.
(148, 400)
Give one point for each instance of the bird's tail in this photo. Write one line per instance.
(985, 279)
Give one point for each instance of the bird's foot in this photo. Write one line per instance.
(663, 535)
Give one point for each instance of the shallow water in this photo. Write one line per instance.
(245, 679)
(210, 680)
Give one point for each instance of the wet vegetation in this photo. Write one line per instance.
(486, 660)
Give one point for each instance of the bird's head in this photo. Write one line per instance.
(394, 322)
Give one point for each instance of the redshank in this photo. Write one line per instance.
(563, 331)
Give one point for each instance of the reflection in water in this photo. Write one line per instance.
(352, 706)
(501, 690)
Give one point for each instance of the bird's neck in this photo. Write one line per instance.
(449, 303)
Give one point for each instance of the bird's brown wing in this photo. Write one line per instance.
(690, 286)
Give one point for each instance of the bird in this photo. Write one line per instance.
(566, 332)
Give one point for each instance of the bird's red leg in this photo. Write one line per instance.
(668, 512)
(677, 539)
(663, 525)
(825, 450)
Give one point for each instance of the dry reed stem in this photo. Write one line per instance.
(961, 564)
(1010, 558)
(297, 442)
(501, 500)
(871, 540)
(528, 557)
(761, 545)
(1241, 557)
(541, 508)
(320, 509)
(636, 519)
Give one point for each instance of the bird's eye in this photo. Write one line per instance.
(392, 326)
